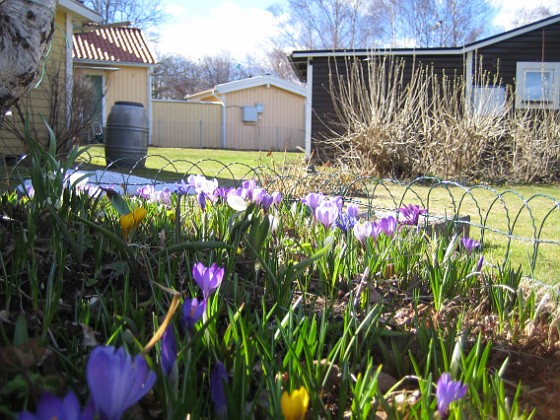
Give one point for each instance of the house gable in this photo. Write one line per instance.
(122, 58)
(504, 59)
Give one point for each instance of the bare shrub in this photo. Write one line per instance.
(49, 106)
(433, 125)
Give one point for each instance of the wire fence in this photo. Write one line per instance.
(513, 229)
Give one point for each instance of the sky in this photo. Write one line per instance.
(198, 28)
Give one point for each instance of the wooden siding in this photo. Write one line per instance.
(540, 45)
(279, 127)
(186, 124)
(36, 102)
(127, 84)
(324, 120)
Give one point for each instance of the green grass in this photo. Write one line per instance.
(521, 222)
(171, 164)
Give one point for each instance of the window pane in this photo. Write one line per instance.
(538, 86)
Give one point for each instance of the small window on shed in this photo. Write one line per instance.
(489, 100)
(537, 85)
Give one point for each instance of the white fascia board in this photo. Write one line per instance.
(260, 81)
(110, 63)
(511, 34)
(80, 10)
(369, 53)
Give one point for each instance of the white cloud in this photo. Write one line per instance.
(509, 9)
(228, 28)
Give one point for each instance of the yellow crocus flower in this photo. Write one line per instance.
(132, 220)
(294, 405)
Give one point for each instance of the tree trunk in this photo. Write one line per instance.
(26, 29)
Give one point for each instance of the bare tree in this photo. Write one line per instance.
(326, 24)
(144, 14)
(215, 70)
(175, 77)
(528, 15)
(431, 23)
(26, 29)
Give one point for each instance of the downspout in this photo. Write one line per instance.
(469, 81)
(69, 71)
(224, 114)
(150, 111)
(308, 108)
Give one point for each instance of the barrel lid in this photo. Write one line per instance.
(129, 103)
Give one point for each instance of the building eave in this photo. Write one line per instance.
(79, 11)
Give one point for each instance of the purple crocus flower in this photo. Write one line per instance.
(480, 263)
(192, 312)
(182, 188)
(201, 198)
(145, 192)
(338, 201)
(117, 381)
(327, 213)
(207, 278)
(469, 244)
(168, 350)
(204, 188)
(222, 192)
(352, 210)
(52, 407)
(249, 185)
(312, 200)
(218, 379)
(30, 191)
(376, 229)
(362, 231)
(276, 197)
(345, 222)
(149, 193)
(258, 194)
(410, 214)
(448, 391)
(388, 225)
(266, 202)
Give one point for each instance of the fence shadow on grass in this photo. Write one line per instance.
(523, 231)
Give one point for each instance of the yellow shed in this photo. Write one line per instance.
(259, 113)
(117, 61)
(51, 100)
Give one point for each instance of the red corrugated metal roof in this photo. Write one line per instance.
(118, 44)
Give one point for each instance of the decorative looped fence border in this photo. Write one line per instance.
(502, 220)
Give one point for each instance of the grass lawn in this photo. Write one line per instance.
(171, 164)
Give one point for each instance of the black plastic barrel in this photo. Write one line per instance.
(126, 135)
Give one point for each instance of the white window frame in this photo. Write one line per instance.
(488, 100)
(527, 96)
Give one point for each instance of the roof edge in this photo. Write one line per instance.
(80, 10)
(111, 63)
(260, 81)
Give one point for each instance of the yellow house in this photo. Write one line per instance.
(259, 113)
(118, 63)
(40, 104)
